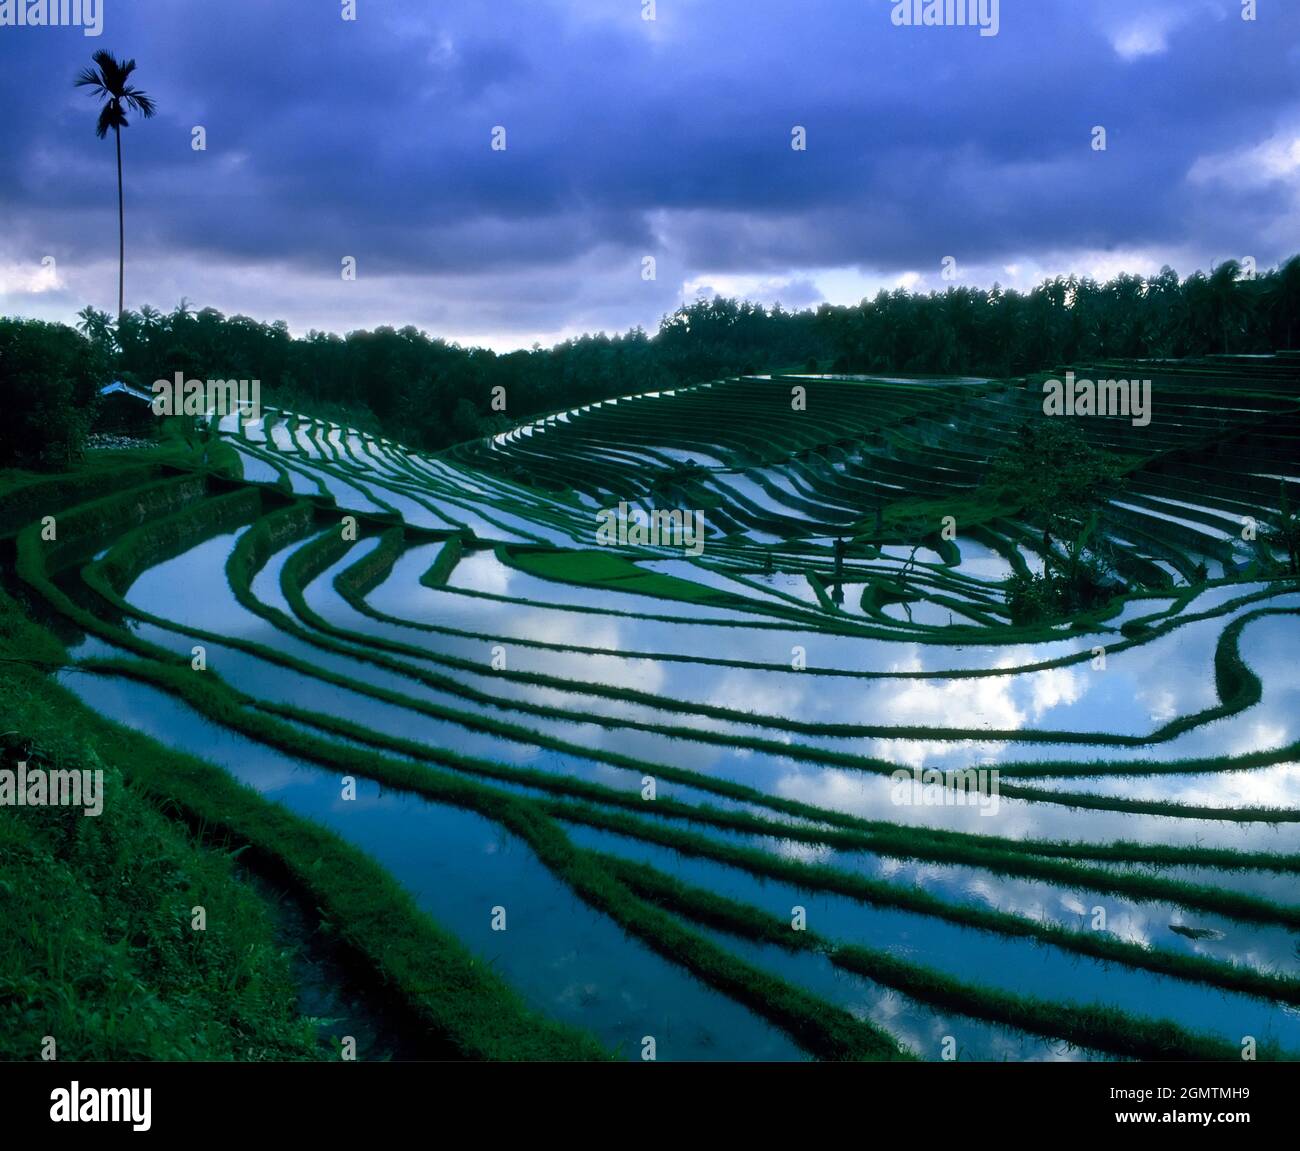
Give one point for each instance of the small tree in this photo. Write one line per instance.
(1053, 477)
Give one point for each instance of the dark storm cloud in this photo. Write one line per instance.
(626, 138)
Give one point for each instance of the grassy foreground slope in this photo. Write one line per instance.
(98, 953)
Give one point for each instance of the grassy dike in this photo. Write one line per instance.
(441, 568)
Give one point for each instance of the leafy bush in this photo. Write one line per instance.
(1083, 584)
(1029, 598)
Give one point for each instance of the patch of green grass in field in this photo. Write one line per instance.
(610, 571)
(442, 567)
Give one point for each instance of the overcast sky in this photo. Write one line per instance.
(627, 138)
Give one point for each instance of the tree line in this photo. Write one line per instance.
(431, 393)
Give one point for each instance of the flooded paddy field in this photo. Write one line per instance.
(820, 787)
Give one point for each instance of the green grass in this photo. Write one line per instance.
(441, 568)
(610, 571)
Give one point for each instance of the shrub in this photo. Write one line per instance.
(1081, 585)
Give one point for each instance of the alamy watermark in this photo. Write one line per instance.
(181, 397)
(660, 527)
(981, 14)
(88, 15)
(61, 787)
(929, 787)
(1083, 397)
(77, 1104)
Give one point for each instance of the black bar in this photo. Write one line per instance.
(340, 1099)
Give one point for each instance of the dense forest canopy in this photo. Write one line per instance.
(431, 393)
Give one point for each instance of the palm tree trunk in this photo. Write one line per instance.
(121, 229)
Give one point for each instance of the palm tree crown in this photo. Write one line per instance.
(108, 80)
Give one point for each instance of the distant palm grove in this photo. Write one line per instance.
(431, 393)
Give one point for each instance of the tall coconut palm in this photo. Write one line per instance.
(108, 80)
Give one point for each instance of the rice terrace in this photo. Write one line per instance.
(905, 675)
(663, 760)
